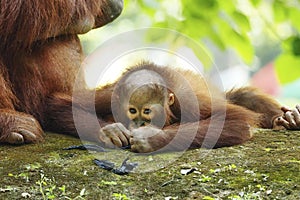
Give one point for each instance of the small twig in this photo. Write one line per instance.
(168, 182)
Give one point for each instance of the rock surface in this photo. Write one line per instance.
(267, 167)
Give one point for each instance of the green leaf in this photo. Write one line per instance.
(294, 16)
(243, 46)
(209, 4)
(242, 21)
(240, 42)
(280, 11)
(296, 46)
(255, 2)
(227, 5)
(287, 67)
(109, 182)
(200, 8)
(202, 29)
(208, 198)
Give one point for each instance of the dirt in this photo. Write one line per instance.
(267, 167)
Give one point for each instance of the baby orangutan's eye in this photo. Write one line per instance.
(132, 110)
(147, 111)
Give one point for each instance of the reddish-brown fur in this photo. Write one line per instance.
(40, 55)
(224, 119)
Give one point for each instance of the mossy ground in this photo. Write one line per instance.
(267, 167)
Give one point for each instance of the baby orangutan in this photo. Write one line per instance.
(159, 108)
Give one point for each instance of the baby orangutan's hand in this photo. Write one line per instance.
(148, 139)
(114, 135)
(289, 120)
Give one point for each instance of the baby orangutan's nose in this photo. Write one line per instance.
(141, 123)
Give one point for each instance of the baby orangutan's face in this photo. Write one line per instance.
(148, 106)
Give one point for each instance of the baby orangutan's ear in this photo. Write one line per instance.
(171, 99)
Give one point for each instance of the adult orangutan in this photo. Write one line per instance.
(40, 55)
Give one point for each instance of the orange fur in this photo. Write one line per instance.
(40, 55)
(210, 119)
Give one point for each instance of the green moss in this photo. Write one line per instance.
(265, 168)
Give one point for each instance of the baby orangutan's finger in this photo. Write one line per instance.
(106, 141)
(279, 123)
(114, 135)
(290, 118)
(285, 109)
(298, 108)
(296, 116)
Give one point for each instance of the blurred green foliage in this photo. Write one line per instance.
(238, 24)
(263, 29)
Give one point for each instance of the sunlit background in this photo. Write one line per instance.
(252, 42)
